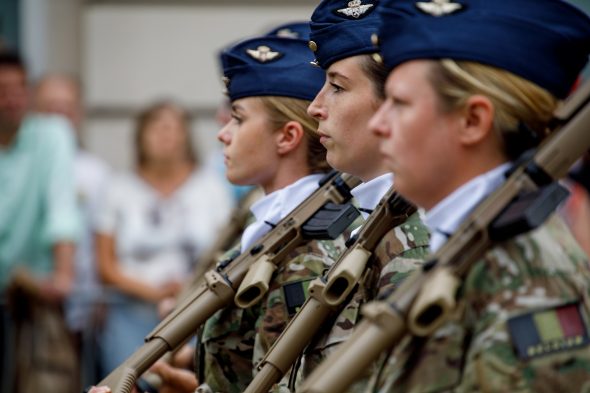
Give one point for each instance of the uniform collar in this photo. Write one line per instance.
(272, 208)
(368, 194)
(444, 218)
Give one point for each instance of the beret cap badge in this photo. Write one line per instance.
(438, 7)
(288, 33)
(355, 9)
(263, 54)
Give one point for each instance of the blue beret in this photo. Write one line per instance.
(341, 29)
(546, 42)
(292, 30)
(271, 66)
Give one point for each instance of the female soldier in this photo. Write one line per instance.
(270, 142)
(465, 105)
(341, 40)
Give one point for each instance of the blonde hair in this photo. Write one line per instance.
(281, 110)
(520, 105)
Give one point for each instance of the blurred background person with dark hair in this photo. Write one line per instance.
(39, 225)
(153, 225)
(61, 94)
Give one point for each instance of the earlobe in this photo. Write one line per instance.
(477, 121)
(289, 137)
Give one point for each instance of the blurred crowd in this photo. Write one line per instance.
(87, 253)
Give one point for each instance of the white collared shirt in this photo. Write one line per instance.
(444, 218)
(272, 208)
(369, 194)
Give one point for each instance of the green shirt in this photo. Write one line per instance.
(37, 198)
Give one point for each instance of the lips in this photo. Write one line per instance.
(323, 137)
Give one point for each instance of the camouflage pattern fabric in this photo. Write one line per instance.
(230, 336)
(529, 278)
(399, 252)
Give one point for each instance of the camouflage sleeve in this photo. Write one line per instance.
(522, 326)
(288, 292)
(398, 253)
(224, 356)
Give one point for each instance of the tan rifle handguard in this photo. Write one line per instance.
(381, 330)
(255, 288)
(346, 275)
(256, 282)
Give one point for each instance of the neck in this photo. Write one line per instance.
(465, 175)
(284, 177)
(379, 168)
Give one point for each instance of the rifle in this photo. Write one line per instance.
(226, 238)
(328, 293)
(219, 286)
(426, 299)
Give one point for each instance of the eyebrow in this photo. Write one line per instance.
(237, 108)
(335, 74)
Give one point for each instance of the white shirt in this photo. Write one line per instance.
(272, 208)
(444, 218)
(159, 238)
(369, 194)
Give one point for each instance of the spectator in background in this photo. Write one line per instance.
(61, 94)
(153, 225)
(38, 227)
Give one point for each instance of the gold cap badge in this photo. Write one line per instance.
(374, 39)
(313, 46)
(263, 54)
(438, 7)
(355, 9)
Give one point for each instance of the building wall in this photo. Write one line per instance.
(129, 53)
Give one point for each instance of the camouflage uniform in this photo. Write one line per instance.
(228, 340)
(399, 252)
(527, 297)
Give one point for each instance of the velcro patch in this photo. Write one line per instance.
(295, 295)
(548, 331)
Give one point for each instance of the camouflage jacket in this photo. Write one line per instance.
(522, 325)
(399, 252)
(234, 338)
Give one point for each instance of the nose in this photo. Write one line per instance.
(317, 109)
(224, 135)
(378, 123)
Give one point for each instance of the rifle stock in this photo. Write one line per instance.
(387, 322)
(218, 288)
(345, 273)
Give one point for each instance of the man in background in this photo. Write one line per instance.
(39, 225)
(61, 95)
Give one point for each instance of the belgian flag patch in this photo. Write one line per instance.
(548, 331)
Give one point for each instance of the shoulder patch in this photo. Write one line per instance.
(544, 332)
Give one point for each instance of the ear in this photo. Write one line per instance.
(477, 121)
(289, 137)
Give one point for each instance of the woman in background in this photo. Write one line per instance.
(152, 226)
